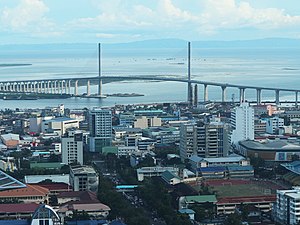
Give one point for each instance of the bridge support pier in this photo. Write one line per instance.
(88, 93)
(65, 87)
(277, 100)
(76, 88)
(56, 87)
(223, 94)
(258, 96)
(242, 95)
(68, 87)
(205, 97)
(59, 87)
(44, 84)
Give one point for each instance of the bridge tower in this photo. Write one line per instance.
(189, 94)
(99, 71)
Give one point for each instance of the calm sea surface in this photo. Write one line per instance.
(261, 67)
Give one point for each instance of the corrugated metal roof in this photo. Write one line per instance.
(201, 198)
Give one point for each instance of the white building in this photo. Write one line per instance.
(100, 126)
(287, 207)
(242, 122)
(147, 121)
(237, 160)
(59, 125)
(72, 148)
(273, 125)
(84, 178)
(154, 171)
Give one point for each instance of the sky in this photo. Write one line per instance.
(115, 21)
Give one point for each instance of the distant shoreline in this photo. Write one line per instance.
(15, 64)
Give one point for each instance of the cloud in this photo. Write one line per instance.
(166, 18)
(124, 20)
(105, 35)
(229, 14)
(29, 16)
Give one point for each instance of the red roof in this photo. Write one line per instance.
(18, 208)
(84, 196)
(30, 190)
(56, 186)
(251, 199)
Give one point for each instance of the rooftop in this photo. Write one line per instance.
(228, 159)
(84, 196)
(8, 182)
(270, 145)
(18, 208)
(240, 168)
(251, 199)
(33, 179)
(30, 190)
(10, 136)
(167, 175)
(201, 198)
(212, 169)
(83, 169)
(90, 207)
(61, 119)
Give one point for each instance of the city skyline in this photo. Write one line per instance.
(45, 21)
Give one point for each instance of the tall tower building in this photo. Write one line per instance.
(203, 140)
(72, 147)
(242, 124)
(100, 126)
(188, 143)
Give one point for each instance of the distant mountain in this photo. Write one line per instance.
(164, 43)
(260, 43)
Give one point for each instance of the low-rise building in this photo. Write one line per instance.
(59, 125)
(154, 171)
(84, 178)
(269, 150)
(147, 121)
(17, 211)
(228, 205)
(188, 201)
(170, 178)
(29, 194)
(10, 140)
(77, 196)
(94, 210)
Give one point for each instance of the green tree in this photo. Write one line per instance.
(233, 219)
(78, 215)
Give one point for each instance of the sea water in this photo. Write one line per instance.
(278, 67)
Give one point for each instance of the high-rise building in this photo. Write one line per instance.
(287, 207)
(100, 126)
(72, 147)
(203, 140)
(242, 124)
